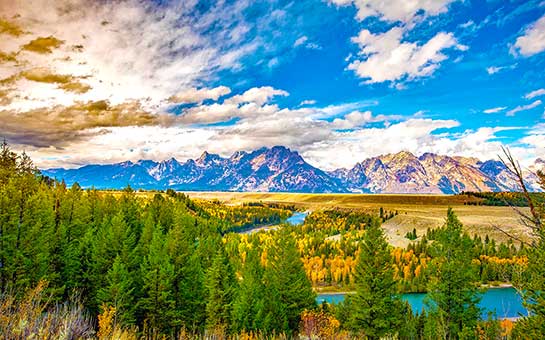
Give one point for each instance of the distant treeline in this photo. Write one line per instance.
(514, 199)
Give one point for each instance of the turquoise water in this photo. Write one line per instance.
(501, 302)
(297, 218)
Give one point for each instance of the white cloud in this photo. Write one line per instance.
(258, 95)
(303, 41)
(533, 40)
(467, 24)
(535, 93)
(524, 107)
(387, 58)
(493, 69)
(300, 41)
(495, 109)
(358, 119)
(341, 142)
(194, 95)
(396, 10)
(130, 50)
(307, 102)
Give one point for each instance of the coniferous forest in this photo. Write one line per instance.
(85, 264)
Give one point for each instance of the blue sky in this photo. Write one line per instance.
(337, 80)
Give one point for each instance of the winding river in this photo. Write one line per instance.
(295, 219)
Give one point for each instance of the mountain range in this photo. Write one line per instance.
(279, 169)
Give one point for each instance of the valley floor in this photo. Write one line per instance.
(414, 211)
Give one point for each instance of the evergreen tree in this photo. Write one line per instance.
(189, 290)
(118, 292)
(288, 290)
(376, 306)
(220, 283)
(157, 273)
(249, 298)
(453, 294)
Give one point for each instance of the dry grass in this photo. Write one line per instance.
(415, 211)
(32, 317)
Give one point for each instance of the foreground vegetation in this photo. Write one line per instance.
(86, 264)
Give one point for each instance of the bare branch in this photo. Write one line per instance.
(514, 167)
(510, 235)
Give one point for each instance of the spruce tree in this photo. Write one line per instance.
(376, 306)
(288, 291)
(157, 276)
(453, 292)
(249, 298)
(118, 292)
(220, 283)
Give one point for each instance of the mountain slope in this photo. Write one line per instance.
(274, 169)
(278, 169)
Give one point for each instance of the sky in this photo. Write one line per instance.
(336, 80)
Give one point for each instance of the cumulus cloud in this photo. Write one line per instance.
(387, 58)
(524, 108)
(258, 95)
(396, 10)
(495, 109)
(62, 125)
(533, 39)
(358, 119)
(194, 95)
(126, 50)
(535, 93)
(105, 133)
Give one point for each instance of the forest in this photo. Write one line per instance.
(88, 264)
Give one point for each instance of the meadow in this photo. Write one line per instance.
(418, 212)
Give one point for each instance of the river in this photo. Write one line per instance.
(501, 302)
(295, 219)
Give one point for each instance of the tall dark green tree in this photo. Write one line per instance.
(221, 286)
(157, 275)
(118, 292)
(288, 291)
(249, 297)
(376, 306)
(453, 293)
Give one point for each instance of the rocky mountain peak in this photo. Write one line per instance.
(281, 169)
(207, 158)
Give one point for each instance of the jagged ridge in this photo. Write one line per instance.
(279, 169)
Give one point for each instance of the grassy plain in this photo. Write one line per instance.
(414, 211)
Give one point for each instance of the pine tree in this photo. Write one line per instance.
(158, 275)
(453, 293)
(288, 291)
(189, 289)
(376, 306)
(249, 296)
(118, 292)
(220, 283)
